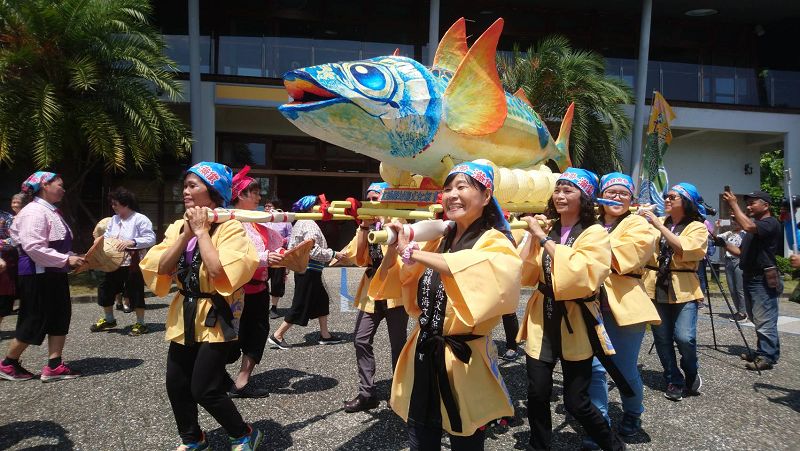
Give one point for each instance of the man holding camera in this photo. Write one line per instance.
(762, 281)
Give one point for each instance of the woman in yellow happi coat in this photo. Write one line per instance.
(458, 287)
(372, 311)
(568, 265)
(671, 282)
(210, 264)
(625, 305)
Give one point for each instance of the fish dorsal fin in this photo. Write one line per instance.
(452, 48)
(520, 94)
(396, 52)
(474, 101)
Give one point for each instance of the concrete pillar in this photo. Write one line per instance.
(791, 160)
(641, 90)
(196, 111)
(433, 30)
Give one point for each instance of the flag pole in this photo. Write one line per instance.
(636, 170)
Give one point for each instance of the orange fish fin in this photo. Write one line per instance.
(474, 101)
(562, 143)
(396, 52)
(520, 94)
(452, 48)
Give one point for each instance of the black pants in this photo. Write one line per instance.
(127, 280)
(254, 325)
(511, 328)
(421, 438)
(195, 376)
(277, 281)
(577, 376)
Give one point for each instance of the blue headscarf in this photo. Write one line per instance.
(217, 176)
(304, 203)
(616, 179)
(689, 193)
(378, 187)
(35, 181)
(484, 175)
(588, 182)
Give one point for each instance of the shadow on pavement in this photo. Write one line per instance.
(53, 434)
(157, 306)
(290, 381)
(276, 437)
(385, 428)
(95, 366)
(790, 398)
(312, 339)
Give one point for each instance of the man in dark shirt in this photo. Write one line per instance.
(762, 282)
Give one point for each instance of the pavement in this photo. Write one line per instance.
(121, 402)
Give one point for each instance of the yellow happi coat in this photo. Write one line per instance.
(633, 242)
(239, 262)
(484, 287)
(578, 272)
(685, 284)
(363, 301)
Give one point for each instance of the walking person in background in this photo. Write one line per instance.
(45, 243)
(277, 275)
(672, 283)
(762, 280)
(8, 258)
(372, 311)
(733, 273)
(210, 263)
(134, 234)
(310, 299)
(625, 306)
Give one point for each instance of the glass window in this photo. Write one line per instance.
(295, 156)
(784, 88)
(241, 55)
(237, 153)
(680, 81)
(326, 51)
(373, 49)
(719, 84)
(746, 86)
(177, 49)
(288, 54)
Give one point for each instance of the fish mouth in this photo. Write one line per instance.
(305, 93)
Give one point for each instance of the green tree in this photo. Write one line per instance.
(552, 74)
(772, 177)
(79, 87)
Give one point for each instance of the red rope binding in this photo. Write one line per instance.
(323, 208)
(355, 204)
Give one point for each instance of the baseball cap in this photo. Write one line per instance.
(759, 195)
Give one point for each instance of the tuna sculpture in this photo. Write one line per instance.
(417, 120)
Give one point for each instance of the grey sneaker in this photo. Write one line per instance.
(278, 344)
(693, 386)
(674, 392)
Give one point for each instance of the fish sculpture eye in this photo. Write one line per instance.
(373, 81)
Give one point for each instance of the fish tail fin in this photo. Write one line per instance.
(562, 143)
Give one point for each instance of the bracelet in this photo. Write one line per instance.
(409, 249)
(544, 240)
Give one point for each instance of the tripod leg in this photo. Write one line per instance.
(730, 308)
(710, 309)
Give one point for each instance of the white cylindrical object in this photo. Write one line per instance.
(419, 231)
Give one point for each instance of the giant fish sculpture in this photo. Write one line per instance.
(424, 121)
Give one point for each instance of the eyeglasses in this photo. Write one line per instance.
(617, 194)
(672, 197)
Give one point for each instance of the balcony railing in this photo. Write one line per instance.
(272, 56)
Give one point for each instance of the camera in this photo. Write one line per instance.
(795, 202)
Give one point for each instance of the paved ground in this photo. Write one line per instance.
(121, 403)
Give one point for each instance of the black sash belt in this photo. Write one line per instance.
(597, 349)
(655, 268)
(434, 348)
(631, 275)
(220, 309)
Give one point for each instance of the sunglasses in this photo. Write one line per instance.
(672, 197)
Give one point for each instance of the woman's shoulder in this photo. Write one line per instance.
(634, 220)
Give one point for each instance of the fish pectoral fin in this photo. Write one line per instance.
(452, 48)
(520, 94)
(474, 101)
(396, 52)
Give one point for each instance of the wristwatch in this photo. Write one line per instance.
(544, 240)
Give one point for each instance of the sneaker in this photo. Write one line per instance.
(332, 340)
(674, 392)
(760, 363)
(103, 325)
(194, 446)
(60, 372)
(630, 425)
(510, 355)
(118, 306)
(588, 444)
(747, 356)
(249, 442)
(139, 329)
(693, 386)
(248, 391)
(277, 344)
(739, 317)
(127, 309)
(273, 313)
(14, 372)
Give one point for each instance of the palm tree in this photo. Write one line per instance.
(79, 87)
(552, 74)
